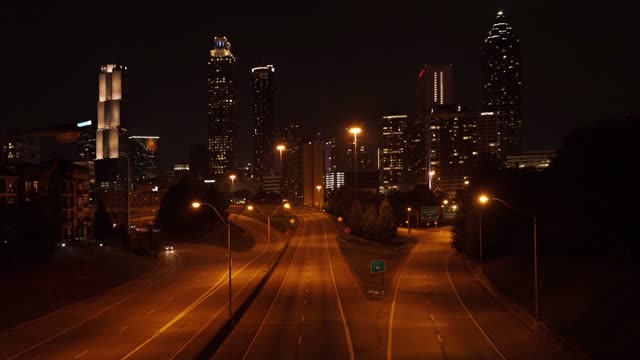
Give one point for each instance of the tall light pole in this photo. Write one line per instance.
(281, 149)
(431, 173)
(318, 187)
(285, 206)
(483, 200)
(197, 205)
(355, 131)
(232, 177)
(408, 222)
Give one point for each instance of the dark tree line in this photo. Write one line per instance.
(584, 202)
(176, 216)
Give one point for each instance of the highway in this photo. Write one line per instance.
(299, 314)
(440, 311)
(166, 313)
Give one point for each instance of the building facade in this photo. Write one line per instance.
(111, 135)
(502, 83)
(392, 152)
(434, 87)
(263, 119)
(453, 144)
(143, 158)
(538, 160)
(222, 104)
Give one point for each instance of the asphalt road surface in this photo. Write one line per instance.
(299, 314)
(158, 316)
(440, 311)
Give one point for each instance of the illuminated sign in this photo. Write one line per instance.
(84, 123)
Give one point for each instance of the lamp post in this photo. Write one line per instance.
(483, 200)
(431, 173)
(232, 177)
(197, 205)
(281, 149)
(318, 187)
(285, 206)
(408, 222)
(355, 131)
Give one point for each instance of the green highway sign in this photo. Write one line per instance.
(429, 213)
(377, 266)
(450, 212)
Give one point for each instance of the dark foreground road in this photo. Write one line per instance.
(158, 316)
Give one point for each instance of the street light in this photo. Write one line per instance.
(318, 187)
(408, 222)
(281, 149)
(431, 173)
(483, 199)
(197, 205)
(285, 206)
(355, 131)
(232, 177)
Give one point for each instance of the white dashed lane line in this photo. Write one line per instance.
(124, 328)
(81, 354)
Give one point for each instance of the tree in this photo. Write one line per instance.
(369, 222)
(176, 216)
(356, 215)
(385, 224)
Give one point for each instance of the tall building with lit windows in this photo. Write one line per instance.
(458, 138)
(111, 135)
(434, 87)
(143, 158)
(222, 103)
(502, 83)
(112, 155)
(392, 152)
(263, 121)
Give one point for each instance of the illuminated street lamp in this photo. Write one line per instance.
(431, 173)
(483, 199)
(408, 222)
(281, 148)
(355, 131)
(232, 177)
(318, 187)
(251, 208)
(197, 205)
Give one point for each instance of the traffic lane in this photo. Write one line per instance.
(190, 282)
(110, 334)
(278, 334)
(413, 333)
(459, 336)
(191, 332)
(511, 336)
(240, 340)
(323, 335)
(302, 324)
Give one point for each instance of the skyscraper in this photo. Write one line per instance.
(111, 140)
(87, 142)
(263, 123)
(144, 157)
(392, 152)
(434, 87)
(502, 83)
(222, 103)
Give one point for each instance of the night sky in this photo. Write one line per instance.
(336, 63)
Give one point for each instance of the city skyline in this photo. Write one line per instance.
(349, 94)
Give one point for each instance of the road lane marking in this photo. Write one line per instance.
(305, 301)
(150, 312)
(300, 340)
(124, 328)
(446, 266)
(393, 306)
(246, 353)
(81, 354)
(431, 315)
(97, 313)
(335, 288)
(171, 299)
(217, 286)
(439, 338)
